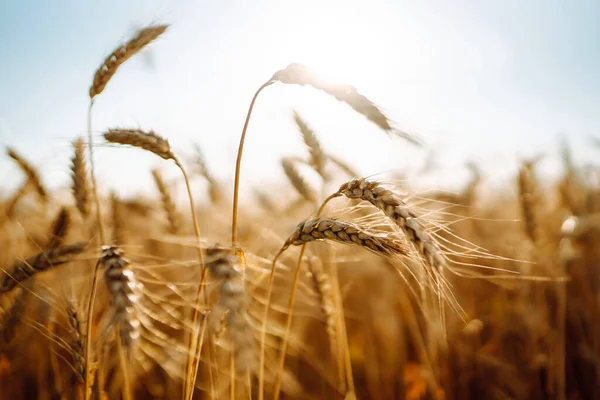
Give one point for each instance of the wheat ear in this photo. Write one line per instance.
(21, 271)
(168, 204)
(121, 54)
(318, 158)
(529, 199)
(59, 229)
(297, 180)
(231, 304)
(76, 333)
(401, 214)
(215, 192)
(300, 74)
(32, 175)
(81, 186)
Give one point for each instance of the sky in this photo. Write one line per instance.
(489, 82)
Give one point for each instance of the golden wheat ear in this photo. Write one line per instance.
(318, 159)
(343, 232)
(32, 174)
(121, 54)
(300, 74)
(80, 183)
(168, 204)
(298, 181)
(23, 270)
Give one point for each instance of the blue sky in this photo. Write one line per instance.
(486, 81)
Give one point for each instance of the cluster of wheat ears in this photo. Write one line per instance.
(400, 296)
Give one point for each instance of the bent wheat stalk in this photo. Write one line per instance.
(299, 74)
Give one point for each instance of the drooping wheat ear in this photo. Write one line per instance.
(115, 216)
(297, 180)
(345, 167)
(145, 140)
(23, 270)
(121, 54)
(32, 175)
(530, 201)
(215, 192)
(300, 74)
(416, 233)
(81, 185)
(400, 213)
(346, 233)
(11, 316)
(322, 286)
(231, 304)
(317, 156)
(168, 204)
(59, 229)
(77, 340)
(121, 284)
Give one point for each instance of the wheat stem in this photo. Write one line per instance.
(238, 164)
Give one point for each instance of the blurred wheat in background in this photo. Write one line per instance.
(334, 287)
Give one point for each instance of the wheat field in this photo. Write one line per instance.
(356, 288)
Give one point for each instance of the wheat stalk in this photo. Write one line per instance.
(168, 204)
(32, 175)
(322, 285)
(81, 186)
(23, 270)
